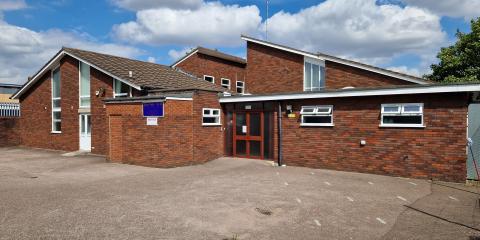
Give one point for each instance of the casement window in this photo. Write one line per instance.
(211, 117)
(56, 102)
(226, 83)
(240, 87)
(84, 93)
(402, 115)
(317, 115)
(121, 89)
(209, 78)
(314, 75)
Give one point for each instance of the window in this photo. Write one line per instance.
(211, 117)
(402, 115)
(240, 87)
(121, 89)
(56, 107)
(226, 83)
(314, 75)
(317, 115)
(84, 95)
(209, 78)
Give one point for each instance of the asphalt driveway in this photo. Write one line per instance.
(44, 195)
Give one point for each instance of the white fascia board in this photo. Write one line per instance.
(371, 69)
(179, 98)
(184, 58)
(362, 93)
(54, 61)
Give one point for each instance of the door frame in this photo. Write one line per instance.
(80, 116)
(247, 138)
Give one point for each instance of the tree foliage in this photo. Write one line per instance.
(460, 62)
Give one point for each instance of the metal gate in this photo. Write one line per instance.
(474, 134)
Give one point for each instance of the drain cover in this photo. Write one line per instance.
(264, 211)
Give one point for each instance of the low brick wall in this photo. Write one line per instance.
(10, 132)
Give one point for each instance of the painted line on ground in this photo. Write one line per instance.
(286, 183)
(381, 220)
(402, 198)
(350, 199)
(453, 198)
(299, 200)
(278, 173)
(414, 184)
(371, 183)
(317, 222)
(312, 173)
(329, 184)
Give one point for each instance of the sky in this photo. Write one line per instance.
(401, 35)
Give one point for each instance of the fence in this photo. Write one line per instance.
(9, 109)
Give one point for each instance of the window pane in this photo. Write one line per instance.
(255, 148)
(322, 77)
(84, 79)
(57, 126)
(84, 102)
(324, 110)
(391, 109)
(255, 124)
(215, 112)
(241, 121)
(308, 76)
(208, 78)
(210, 120)
(315, 77)
(307, 110)
(402, 119)
(206, 111)
(241, 146)
(56, 83)
(89, 124)
(57, 115)
(82, 124)
(56, 103)
(411, 108)
(317, 119)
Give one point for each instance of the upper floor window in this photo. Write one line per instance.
(226, 83)
(314, 75)
(402, 115)
(121, 89)
(209, 78)
(317, 115)
(240, 87)
(56, 104)
(84, 94)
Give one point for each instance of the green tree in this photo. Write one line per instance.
(460, 62)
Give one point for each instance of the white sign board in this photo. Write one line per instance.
(244, 129)
(152, 121)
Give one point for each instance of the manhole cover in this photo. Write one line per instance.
(264, 211)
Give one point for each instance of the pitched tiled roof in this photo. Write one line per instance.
(213, 53)
(144, 74)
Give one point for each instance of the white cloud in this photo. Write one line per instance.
(6, 5)
(406, 70)
(467, 9)
(151, 59)
(360, 29)
(23, 51)
(177, 54)
(136, 5)
(211, 24)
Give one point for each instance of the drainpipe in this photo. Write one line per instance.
(279, 120)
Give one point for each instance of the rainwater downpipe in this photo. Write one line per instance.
(279, 120)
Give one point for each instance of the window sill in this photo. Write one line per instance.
(211, 124)
(317, 125)
(402, 126)
(56, 132)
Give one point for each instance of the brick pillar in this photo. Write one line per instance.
(115, 153)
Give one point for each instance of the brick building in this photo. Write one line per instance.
(291, 106)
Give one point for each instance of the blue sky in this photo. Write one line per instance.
(402, 35)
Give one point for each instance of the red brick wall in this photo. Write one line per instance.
(437, 151)
(208, 140)
(36, 118)
(170, 144)
(271, 70)
(200, 64)
(9, 132)
(36, 110)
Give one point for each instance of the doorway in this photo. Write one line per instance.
(85, 127)
(248, 134)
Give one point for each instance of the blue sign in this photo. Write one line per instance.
(154, 109)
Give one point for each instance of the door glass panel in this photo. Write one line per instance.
(89, 124)
(82, 124)
(241, 147)
(255, 124)
(241, 124)
(255, 148)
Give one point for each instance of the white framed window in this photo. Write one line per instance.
(313, 75)
(211, 117)
(121, 89)
(402, 115)
(209, 78)
(240, 87)
(226, 83)
(84, 92)
(56, 102)
(317, 115)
